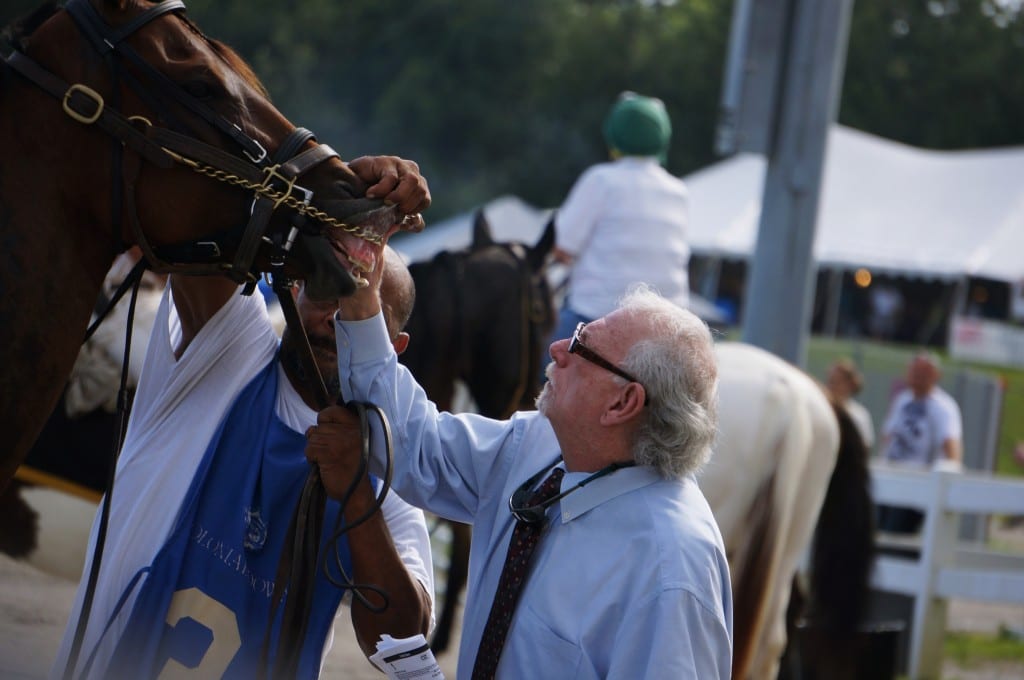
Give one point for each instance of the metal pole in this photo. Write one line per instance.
(780, 284)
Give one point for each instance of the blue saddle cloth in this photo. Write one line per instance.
(205, 601)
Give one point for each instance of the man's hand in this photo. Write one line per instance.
(397, 181)
(335, 444)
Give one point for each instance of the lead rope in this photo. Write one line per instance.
(295, 581)
(101, 532)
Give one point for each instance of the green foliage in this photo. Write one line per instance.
(494, 97)
(489, 96)
(938, 74)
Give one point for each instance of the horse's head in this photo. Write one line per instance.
(511, 348)
(208, 176)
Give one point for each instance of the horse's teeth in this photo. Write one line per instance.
(357, 266)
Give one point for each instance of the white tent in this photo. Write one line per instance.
(885, 206)
(511, 219)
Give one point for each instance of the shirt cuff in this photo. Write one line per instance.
(363, 341)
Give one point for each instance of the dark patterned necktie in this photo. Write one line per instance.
(521, 546)
(520, 549)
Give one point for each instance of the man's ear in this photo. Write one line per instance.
(401, 342)
(627, 406)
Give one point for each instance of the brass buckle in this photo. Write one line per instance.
(290, 186)
(89, 92)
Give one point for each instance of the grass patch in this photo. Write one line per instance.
(969, 650)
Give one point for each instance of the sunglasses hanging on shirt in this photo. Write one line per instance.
(534, 514)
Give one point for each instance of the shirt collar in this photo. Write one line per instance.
(602, 489)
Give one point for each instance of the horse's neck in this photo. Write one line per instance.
(51, 273)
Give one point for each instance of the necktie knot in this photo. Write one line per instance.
(549, 488)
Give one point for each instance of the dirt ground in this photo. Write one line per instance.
(34, 606)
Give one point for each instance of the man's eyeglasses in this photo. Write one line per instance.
(576, 346)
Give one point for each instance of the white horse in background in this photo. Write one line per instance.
(96, 375)
(780, 438)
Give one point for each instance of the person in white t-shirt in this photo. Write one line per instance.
(845, 381)
(922, 429)
(208, 481)
(624, 221)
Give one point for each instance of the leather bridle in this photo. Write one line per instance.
(531, 315)
(272, 180)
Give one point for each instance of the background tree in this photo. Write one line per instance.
(942, 74)
(494, 97)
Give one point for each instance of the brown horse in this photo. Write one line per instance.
(482, 316)
(123, 124)
(74, 451)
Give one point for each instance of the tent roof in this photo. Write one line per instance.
(884, 205)
(511, 219)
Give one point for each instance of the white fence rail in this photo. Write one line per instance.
(945, 568)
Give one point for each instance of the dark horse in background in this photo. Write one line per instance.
(482, 316)
(121, 124)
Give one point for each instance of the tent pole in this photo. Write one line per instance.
(834, 291)
(958, 307)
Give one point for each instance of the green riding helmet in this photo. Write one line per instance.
(638, 126)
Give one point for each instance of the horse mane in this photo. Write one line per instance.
(232, 58)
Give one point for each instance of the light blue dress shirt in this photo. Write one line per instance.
(630, 578)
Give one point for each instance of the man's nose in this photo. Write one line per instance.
(559, 350)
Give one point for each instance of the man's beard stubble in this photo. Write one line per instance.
(293, 364)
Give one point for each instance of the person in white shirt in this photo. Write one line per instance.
(630, 578)
(624, 221)
(922, 429)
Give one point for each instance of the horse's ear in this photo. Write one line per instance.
(481, 231)
(539, 252)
